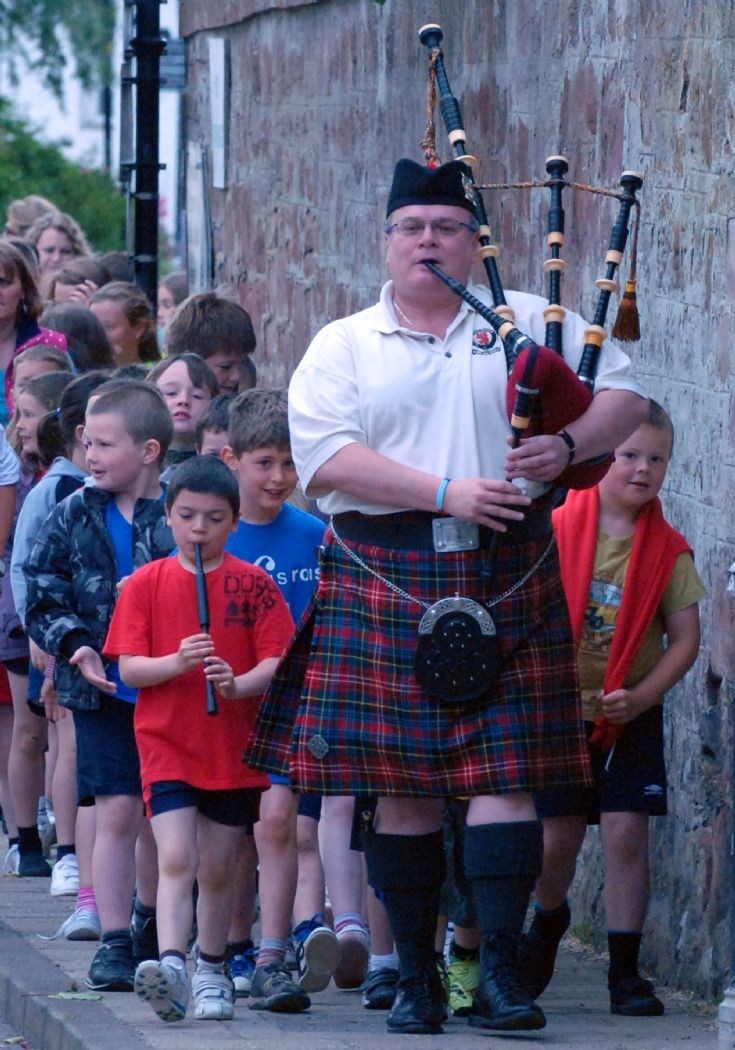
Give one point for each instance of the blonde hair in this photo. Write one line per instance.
(59, 220)
(24, 211)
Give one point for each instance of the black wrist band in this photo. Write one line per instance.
(569, 442)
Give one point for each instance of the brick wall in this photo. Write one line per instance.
(327, 95)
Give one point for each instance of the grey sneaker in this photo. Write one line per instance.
(81, 925)
(279, 992)
(165, 987)
(213, 996)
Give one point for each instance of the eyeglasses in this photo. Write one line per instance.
(440, 227)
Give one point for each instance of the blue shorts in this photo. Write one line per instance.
(634, 782)
(310, 805)
(107, 757)
(35, 682)
(238, 808)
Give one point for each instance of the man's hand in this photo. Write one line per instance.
(493, 503)
(90, 664)
(541, 458)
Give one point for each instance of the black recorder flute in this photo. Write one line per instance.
(204, 623)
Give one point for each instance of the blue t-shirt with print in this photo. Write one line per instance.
(287, 549)
(121, 534)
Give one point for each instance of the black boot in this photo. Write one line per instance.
(538, 948)
(502, 1001)
(406, 872)
(503, 862)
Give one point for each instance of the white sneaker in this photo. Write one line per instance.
(81, 925)
(165, 987)
(65, 877)
(9, 865)
(12, 860)
(213, 996)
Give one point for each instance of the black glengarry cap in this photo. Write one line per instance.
(413, 183)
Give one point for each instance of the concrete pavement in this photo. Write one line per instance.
(33, 972)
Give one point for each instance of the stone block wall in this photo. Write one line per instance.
(325, 96)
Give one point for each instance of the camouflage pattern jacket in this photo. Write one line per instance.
(71, 576)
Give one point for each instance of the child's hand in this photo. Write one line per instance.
(50, 700)
(194, 650)
(90, 664)
(623, 705)
(220, 673)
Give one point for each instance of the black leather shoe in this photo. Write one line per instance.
(634, 997)
(419, 1006)
(502, 1001)
(379, 989)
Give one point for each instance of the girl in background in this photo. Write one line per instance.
(25, 763)
(61, 452)
(127, 318)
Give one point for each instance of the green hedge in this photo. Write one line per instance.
(30, 165)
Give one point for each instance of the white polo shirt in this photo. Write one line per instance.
(438, 406)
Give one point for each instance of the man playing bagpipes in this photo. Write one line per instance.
(438, 658)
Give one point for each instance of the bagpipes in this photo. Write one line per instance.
(544, 394)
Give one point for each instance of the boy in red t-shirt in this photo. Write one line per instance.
(199, 794)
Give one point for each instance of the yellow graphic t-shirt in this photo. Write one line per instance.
(605, 595)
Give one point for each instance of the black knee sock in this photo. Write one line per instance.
(503, 862)
(551, 925)
(624, 947)
(406, 872)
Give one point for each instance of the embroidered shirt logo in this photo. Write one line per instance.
(484, 341)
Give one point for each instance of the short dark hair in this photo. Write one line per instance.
(86, 338)
(207, 475)
(259, 418)
(659, 419)
(199, 371)
(216, 416)
(207, 324)
(144, 412)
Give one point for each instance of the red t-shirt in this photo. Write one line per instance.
(250, 621)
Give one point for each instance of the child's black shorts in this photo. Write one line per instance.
(236, 808)
(107, 756)
(634, 782)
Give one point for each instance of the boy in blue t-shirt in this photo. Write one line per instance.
(284, 541)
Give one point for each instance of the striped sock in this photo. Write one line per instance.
(272, 950)
(350, 922)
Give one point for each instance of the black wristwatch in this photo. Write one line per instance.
(569, 442)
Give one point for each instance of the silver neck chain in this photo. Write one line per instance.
(408, 320)
(427, 605)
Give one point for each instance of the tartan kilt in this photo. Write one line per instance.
(344, 714)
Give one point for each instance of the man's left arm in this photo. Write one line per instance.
(611, 417)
